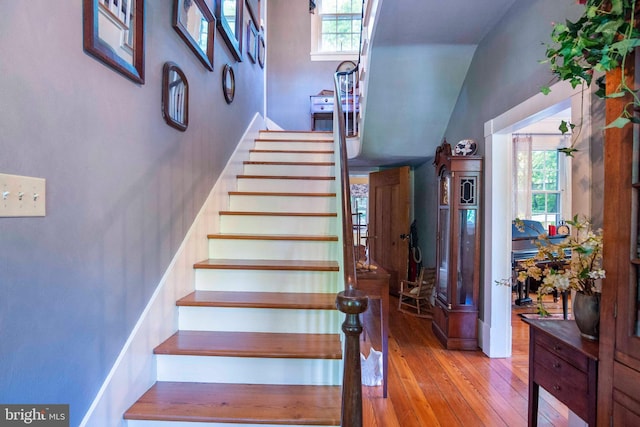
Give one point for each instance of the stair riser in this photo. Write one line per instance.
(145, 423)
(289, 170)
(256, 224)
(282, 204)
(273, 249)
(267, 281)
(295, 146)
(291, 157)
(248, 370)
(230, 319)
(296, 136)
(287, 185)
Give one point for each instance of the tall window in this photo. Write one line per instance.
(540, 178)
(545, 187)
(336, 28)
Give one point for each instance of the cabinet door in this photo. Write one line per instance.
(619, 373)
(443, 237)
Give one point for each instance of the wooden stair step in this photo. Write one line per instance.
(325, 140)
(293, 151)
(268, 264)
(252, 344)
(288, 237)
(307, 178)
(261, 162)
(281, 194)
(301, 214)
(239, 404)
(285, 300)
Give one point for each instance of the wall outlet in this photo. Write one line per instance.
(22, 196)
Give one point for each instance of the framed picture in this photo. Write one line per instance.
(229, 15)
(194, 22)
(262, 50)
(228, 83)
(175, 96)
(113, 33)
(253, 6)
(252, 41)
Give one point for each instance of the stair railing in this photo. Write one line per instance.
(351, 301)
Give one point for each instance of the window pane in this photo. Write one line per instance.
(344, 24)
(552, 203)
(538, 203)
(328, 42)
(329, 25)
(328, 6)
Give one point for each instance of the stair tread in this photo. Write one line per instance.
(290, 237)
(257, 213)
(305, 178)
(252, 344)
(268, 264)
(292, 151)
(239, 403)
(265, 162)
(279, 193)
(286, 300)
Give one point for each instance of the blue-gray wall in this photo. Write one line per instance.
(122, 190)
(504, 72)
(292, 76)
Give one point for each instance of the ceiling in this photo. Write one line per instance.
(420, 53)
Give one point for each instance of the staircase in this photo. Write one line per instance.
(258, 341)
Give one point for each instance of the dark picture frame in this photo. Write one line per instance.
(192, 32)
(262, 50)
(231, 30)
(124, 54)
(252, 41)
(228, 83)
(253, 6)
(175, 96)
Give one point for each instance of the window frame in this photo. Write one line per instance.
(564, 178)
(316, 36)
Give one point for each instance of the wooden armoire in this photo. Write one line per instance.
(619, 366)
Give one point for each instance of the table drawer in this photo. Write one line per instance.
(566, 383)
(562, 350)
(322, 108)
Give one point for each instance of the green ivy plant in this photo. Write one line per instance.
(599, 41)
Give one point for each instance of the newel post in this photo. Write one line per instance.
(352, 302)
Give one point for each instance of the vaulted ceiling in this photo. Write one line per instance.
(420, 53)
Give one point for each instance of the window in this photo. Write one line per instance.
(540, 178)
(545, 187)
(335, 26)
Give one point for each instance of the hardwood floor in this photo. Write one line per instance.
(431, 386)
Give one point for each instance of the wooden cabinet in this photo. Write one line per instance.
(565, 365)
(455, 315)
(619, 374)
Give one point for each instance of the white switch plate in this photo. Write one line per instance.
(22, 196)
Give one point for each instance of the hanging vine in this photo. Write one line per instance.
(598, 42)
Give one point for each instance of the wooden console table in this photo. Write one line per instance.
(564, 364)
(375, 283)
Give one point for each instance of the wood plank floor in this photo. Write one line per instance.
(431, 386)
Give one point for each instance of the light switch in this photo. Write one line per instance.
(22, 196)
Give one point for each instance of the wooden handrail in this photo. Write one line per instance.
(351, 301)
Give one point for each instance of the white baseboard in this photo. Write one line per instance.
(134, 371)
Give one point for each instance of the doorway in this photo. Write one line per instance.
(495, 327)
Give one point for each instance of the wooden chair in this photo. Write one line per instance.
(416, 296)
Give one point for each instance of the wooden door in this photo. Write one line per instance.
(619, 371)
(389, 223)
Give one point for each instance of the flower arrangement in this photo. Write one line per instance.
(551, 266)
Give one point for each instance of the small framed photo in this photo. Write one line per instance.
(252, 41)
